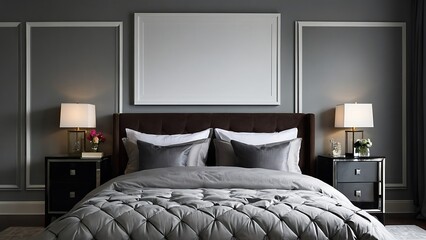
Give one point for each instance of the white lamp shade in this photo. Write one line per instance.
(354, 115)
(77, 115)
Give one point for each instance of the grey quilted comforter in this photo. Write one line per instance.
(215, 203)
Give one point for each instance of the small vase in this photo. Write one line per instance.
(94, 146)
(363, 152)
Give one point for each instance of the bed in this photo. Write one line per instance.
(246, 197)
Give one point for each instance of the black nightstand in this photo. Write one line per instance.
(361, 179)
(69, 179)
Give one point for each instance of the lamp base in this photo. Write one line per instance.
(76, 141)
(350, 138)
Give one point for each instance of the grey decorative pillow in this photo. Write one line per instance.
(197, 154)
(153, 156)
(225, 155)
(130, 144)
(133, 156)
(269, 156)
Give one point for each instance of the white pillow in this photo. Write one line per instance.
(256, 138)
(293, 156)
(130, 144)
(166, 140)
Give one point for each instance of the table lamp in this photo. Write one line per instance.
(77, 115)
(353, 115)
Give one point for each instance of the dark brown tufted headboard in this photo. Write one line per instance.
(178, 123)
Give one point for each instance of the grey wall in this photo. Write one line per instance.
(12, 163)
(64, 65)
(357, 63)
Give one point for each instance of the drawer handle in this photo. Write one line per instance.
(72, 194)
(72, 172)
(357, 171)
(357, 193)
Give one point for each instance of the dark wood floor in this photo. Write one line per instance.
(404, 219)
(21, 221)
(32, 221)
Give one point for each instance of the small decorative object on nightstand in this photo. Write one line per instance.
(336, 148)
(362, 147)
(69, 179)
(361, 179)
(95, 139)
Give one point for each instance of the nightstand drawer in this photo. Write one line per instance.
(67, 196)
(73, 171)
(358, 192)
(357, 171)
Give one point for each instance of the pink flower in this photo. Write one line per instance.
(93, 133)
(96, 137)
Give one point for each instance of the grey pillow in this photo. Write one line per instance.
(225, 155)
(197, 154)
(269, 156)
(153, 156)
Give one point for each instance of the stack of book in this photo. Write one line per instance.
(88, 155)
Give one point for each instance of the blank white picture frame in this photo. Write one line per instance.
(207, 59)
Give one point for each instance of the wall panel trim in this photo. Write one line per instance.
(298, 91)
(118, 85)
(19, 154)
